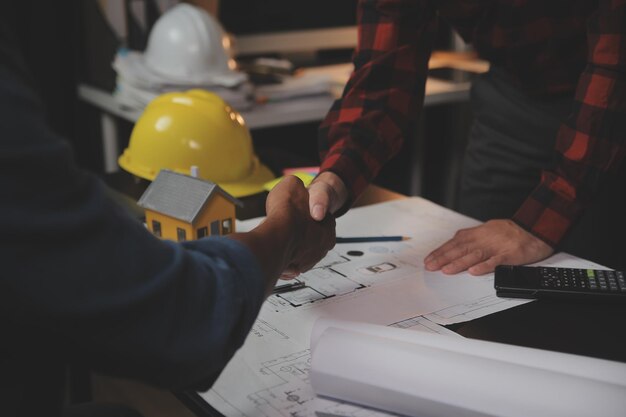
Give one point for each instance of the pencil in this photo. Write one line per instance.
(360, 239)
(288, 287)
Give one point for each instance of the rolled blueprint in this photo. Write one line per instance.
(430, 375)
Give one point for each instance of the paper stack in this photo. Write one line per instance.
(138, 83)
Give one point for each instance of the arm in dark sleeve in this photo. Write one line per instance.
(384, 94)
(76, 266)
(591, 144)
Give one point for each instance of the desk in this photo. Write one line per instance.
(301, 110)
(593, 330)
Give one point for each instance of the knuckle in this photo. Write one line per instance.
(440, 259)
(478, 253)
(290, 180)
(320, 197)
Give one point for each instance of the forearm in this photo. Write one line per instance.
(590, 143)
(79, 270)
(383, 96)
(272, 243)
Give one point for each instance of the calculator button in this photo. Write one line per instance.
(610, 279)
(620, 278)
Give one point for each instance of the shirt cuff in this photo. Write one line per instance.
(547, 215)
(347, 169)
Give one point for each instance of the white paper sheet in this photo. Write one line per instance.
(429, 375)
(269, 375)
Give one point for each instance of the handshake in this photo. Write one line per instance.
(310, 238)
(290, 240)
(300, 229)
(478, 249)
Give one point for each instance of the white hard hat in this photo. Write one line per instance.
(188, 44)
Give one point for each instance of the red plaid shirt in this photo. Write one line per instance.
(548, 46)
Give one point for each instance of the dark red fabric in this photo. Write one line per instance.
(549, 47)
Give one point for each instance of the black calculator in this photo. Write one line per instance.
(552, 282)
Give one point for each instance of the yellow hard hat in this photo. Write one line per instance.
(195, 128)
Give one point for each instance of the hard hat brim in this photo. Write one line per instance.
(253, 184)
(146, 73)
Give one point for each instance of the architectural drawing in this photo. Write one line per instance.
(364, 282)
(291, 395)
(337, 275)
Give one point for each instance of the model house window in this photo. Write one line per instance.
(215, 228)
(202, 232)
(227, 226)
(182, 234)
(156, 228)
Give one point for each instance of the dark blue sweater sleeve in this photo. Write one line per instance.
(79, 270)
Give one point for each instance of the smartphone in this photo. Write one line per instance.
(551, 282)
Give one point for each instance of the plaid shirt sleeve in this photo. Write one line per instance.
(592, 142)
(383, 96)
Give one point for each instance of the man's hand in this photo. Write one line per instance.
(288, 240)
(327, 193)
(289, 202)
(480, 249)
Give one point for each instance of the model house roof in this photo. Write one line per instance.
(180, 196)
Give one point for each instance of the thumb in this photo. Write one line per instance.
(319, 200)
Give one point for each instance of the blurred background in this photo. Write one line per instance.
(295, 57)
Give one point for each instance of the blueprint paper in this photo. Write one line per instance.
(429, 375)
(384, 284)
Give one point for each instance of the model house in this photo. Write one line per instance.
(179, 207)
